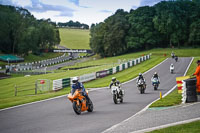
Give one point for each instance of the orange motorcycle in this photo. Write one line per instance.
(79, 102)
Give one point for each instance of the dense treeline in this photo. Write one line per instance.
(21, 33)
(166, 24)
(72, 24)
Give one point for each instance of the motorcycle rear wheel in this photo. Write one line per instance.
(77, 108)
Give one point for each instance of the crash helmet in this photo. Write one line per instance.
(140, 74)
(171, 64)
(113, 79)
(155, 73)
(74, 80)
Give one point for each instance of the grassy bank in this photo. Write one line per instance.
(74, 38)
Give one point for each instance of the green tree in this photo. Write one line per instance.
(142, 33)
(116, 29)
(108, 38)
(21, 33)
(96, 40)
(194, 37)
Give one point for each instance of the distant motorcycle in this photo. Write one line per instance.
(117, 94)
(141, 86)
(155, 83)
(79, 102)
(176, 58)
(171, 69)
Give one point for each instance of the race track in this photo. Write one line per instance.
(57, 115)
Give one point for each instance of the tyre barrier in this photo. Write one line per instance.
(191, 93)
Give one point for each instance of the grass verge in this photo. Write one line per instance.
(192, 127)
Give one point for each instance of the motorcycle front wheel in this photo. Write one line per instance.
(90, 107)
(115, 98)
(141, 90)
(77, 108)
(121, 100)
(155, 87)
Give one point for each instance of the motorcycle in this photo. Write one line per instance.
(176, 58)
(171, 69)
(141, 86)
(155, 83)
(79, 102)
(117, 94)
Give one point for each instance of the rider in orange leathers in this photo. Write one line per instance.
(197, 73)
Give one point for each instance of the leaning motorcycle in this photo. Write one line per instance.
(117, 94)
(141, 86)
(79, 102)
(155, 83)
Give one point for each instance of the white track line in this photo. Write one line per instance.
(144, 109)
(167, 125)
(66, 94)
(33, 102)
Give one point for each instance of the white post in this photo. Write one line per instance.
(45, 70)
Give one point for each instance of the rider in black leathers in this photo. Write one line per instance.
(114, 82)
(141, 78)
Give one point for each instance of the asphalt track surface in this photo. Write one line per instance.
(57, 115)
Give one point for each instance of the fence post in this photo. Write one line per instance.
(15, 90)
(35, 87)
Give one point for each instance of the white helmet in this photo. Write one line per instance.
(74, 80)
(140, 74)
(113, 79)
(155, 73)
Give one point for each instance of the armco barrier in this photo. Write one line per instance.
(123, 66)
(126, 65)
(61, 83)
(65, 82)
(114, 70)
(110, 71)
(57, 84)
(87, 77)
(101, 74)
(120, 67)
(138, 60)
(117, 69)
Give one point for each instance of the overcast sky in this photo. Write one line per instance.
(84, 11)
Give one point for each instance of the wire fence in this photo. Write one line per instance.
(40, 86)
